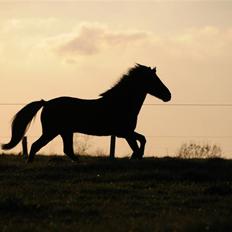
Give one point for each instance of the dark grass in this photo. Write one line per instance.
(98, 194)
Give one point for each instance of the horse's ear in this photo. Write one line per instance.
(154, 69)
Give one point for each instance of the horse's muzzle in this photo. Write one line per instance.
(167, 97)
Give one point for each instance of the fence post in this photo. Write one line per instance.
(24, 146)
(112, 146)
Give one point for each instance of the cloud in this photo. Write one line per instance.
(91, 39)
(34, 39)
(199, 44)
(203, 44)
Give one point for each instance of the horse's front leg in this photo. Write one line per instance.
(142, 141)
(133, 145)
(138, 151)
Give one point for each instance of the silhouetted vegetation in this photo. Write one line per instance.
(194, 150)
(97, 194)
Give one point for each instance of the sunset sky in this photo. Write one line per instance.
(80, 48)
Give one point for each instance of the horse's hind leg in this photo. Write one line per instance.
(134, 146)
(68, 145)
(38, 144)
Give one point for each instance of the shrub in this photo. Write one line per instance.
(194, 150)
(82, 144)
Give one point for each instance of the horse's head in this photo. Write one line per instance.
(153, 85)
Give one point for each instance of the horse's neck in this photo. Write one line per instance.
(132, 102)
(139, 103)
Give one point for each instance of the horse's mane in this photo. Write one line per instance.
(125, 81)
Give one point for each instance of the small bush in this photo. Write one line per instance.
(194, 150)
(82, 144)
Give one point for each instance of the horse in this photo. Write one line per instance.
(114, 113)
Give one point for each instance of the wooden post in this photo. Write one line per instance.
(112, 146)
(24, 146)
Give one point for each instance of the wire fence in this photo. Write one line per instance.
(151, 104)
(227, 106)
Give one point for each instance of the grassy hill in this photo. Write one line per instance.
(97, 194)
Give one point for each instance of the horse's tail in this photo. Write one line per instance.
(21, 122)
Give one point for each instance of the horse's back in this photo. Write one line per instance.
(69, 107)
(77, 115)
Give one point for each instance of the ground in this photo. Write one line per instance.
(98, 194)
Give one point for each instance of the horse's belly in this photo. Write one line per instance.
(95, 125)
(101, 125)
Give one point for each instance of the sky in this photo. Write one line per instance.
(80, 48)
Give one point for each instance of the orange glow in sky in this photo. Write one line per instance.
(50, 49)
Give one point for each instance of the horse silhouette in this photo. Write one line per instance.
(113, 113)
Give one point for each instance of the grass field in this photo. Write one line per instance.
(97, 194)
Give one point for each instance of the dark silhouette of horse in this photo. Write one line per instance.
(114, 113)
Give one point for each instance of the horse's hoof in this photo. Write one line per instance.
(134, 157)
(75, 159)
(140, 157)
